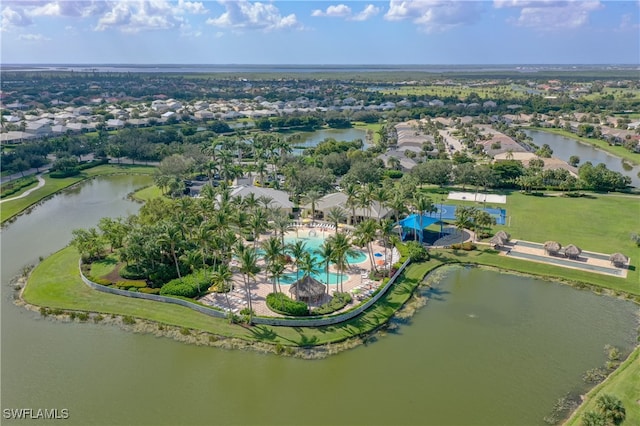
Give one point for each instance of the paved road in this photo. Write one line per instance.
(450, 141)
(25, 193)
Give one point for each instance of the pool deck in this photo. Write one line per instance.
(596, 263)
(357, 282)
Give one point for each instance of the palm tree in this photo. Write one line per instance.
(282, 225)
(463, 218)
(386, 232)
(381, 196)
(312, 198)
(398, 205)
(297, 250)
(308, 265)
(365, 234)
(612, 408)
(273, 251)
(483, 220)
(171, 235)
(393, 163)
(327, 252)
(248, 259)
(352, 191)
(276, 270)
(336, 215)
(342, 249)
(222, 278)
(424, 205)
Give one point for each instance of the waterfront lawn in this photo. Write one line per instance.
(489, 257)
(623, 383)
(616, 150)
(14, 207)
(56, 283)
(146, 194)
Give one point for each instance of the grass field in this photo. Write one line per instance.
(146, 194)
(618, 151)
(56, 283)
(12, 208)
(623, 383)
(599, 222)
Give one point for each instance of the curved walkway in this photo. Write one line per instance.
(41, 183)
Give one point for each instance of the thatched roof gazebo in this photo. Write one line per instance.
(308, 288)
(505, 236)
(572, 251)
(497, 241)
(552, 247)
(618, 259)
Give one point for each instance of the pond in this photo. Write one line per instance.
(310, 139)
(488, 348)
(563, 148)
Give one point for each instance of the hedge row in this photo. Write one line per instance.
(12, 187)
(337, 302)
(188, 286)
(281, 304)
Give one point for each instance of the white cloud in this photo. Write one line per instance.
(434, 15)
(629, 22)
(69, 8)
(14, 18)
(219, 34)
(550, 15)
(337, 11)
(241, 14)
(344, 11)
(139, 15)
(369, 12)
(33, 37)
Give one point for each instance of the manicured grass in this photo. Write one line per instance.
(461, 93)
(146, 194)
(616, 150)
(599, 222)
(104, 266)
(56, 283)
(488, 257)
(12, 208)
(623, 383)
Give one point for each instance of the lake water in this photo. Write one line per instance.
(309, 139)
(563, 148)
(487, 349)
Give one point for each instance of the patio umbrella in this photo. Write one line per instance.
(380, 262)
(572, 251)
(552, 247)
(618, 259)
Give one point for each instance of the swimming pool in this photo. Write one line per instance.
(290, 278)
(313, 244)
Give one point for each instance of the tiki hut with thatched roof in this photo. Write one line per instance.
(618, 259)
(572, 251)
(497, 241)
(308, 288)
(552, 247)
(505, 236)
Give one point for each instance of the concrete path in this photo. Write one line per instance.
(41, 183)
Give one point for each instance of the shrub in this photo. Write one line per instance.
(132, 283)
(393, 174)
(59, 174)
(185, 331)
(130, 273)
(98, 318)
(468, 246)
(416, 252)
(101, 281)
(43, 311)
(82, 316)
(187, 286)
(11, 188)
(148, 290)
(337, 302)
(280, 303)
(128, 320)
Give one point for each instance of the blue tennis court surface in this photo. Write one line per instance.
(449, 213)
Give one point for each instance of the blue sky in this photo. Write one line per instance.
(320, 32)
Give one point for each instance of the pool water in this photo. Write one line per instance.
(313, 244)
(334, 278)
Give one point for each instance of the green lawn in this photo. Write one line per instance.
(12, 208)
(599, 223)
(56, 283)
(146, 194)
(623, 383)
(616, 150)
